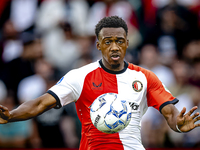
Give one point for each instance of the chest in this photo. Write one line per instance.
(130, 85)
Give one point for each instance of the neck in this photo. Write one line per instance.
(114, 71)
(114, 67)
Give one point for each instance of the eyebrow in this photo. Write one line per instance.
(111, 37)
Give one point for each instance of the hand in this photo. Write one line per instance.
(4, 114)
(186, 122)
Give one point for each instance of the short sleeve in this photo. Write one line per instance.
(66, 89)
(158, 95)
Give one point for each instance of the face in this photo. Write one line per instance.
(113, 44)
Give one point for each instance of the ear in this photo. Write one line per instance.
(127, 42)
(98, 46)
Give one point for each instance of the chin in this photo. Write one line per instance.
(115, 66)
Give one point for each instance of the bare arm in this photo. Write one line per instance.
(185, 122)
(28, 109)
(170, 113)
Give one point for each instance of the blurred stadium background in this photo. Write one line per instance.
(41, 40)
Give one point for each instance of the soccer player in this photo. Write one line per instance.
(112, 74)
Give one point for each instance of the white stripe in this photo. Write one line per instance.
(131, 136)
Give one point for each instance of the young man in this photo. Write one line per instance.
(111, 74)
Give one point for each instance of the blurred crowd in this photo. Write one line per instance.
(41, 40)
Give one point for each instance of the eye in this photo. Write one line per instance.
(107, 42)
(120, 42)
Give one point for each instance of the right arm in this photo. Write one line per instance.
(27, 109)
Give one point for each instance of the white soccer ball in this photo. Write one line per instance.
(110, 113)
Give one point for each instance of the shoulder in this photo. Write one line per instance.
(79, 74)
(139, 69)
(150, 76)
(85, 69)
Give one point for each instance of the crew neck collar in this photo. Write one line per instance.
(111, 71)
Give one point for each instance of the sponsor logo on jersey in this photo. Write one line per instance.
(60, 81)
(97, 120)
(134, 106)
(137, 86)
(96, 86)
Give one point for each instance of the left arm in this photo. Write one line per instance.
(185, 122)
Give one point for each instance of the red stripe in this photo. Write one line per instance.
(91, 137)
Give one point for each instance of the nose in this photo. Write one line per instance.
(114, 47)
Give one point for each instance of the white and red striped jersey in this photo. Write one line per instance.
(140, 87)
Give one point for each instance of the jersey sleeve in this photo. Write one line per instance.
(158, 95)
(66, 90)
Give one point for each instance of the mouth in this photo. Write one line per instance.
(115, 57)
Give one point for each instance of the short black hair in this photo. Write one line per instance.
(110, 22)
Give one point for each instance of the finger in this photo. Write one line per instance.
(2, 121)
(197, 125)
(192, 110)
(3, 108)
(1, 113)
(195, 115)
(197, 119)
(182, 112)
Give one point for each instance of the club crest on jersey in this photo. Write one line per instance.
(137, 86)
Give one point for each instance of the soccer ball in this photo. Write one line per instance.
(109, 113)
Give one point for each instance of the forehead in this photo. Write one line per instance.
(112, 32)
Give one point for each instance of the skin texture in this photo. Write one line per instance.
(112, 43)
(28, 109)
(185, 122)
